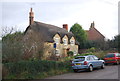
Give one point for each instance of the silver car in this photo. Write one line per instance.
(88, 62)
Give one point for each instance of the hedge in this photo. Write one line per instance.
(35, 67)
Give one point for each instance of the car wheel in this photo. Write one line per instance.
(90, 69)
(75, 70)
(103, 66)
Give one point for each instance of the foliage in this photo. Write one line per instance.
(67, 59)
(111, 45)
(85, 54)
(118, 43)
(29, 69)
(24, 46)
(114, 44)
(99, 54)
(70, 53)
(79, 33)
(98, 44)
(92, 49)
(12, 47)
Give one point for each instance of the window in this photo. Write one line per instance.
(57, 52)
(88, 58)
(110, 55)
(91, 58)
(65, 41)
(80, 58)
(57, 40)
(95, 58)
(118, 55)
(75, 53)
(72, 42)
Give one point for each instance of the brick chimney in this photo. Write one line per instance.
(31, 17)
(92, 25)
(65, 26)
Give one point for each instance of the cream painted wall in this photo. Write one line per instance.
(60, 46)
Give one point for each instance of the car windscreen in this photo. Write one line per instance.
(80, 58)
(109, 56)
(118, 54)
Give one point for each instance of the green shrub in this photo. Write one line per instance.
(99, 54)
(29, 69)
(92, 49)
(85, 54)
(70, 53)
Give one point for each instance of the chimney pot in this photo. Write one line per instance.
(65, 26)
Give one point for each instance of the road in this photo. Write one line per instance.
(110, 72)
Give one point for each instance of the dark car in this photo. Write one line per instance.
(112, 58)
(88, 62)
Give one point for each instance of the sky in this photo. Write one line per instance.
(58, 12)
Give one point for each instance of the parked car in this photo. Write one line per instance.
(88, 62)
(112, 58)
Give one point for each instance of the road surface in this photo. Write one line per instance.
(110, 72)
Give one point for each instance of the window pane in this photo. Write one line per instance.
(88, 58)
(95, 58)
(65, 41)
(109, 55)
(80, 58)
(91, 58)
(57, 40)
(118, 55)
(72, 42)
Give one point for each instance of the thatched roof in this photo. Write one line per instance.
(49, 31)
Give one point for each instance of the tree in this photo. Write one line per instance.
(119, 43)
(79, 34)
(7, 30)
(12, 47)
(115, 43)
(19, 46)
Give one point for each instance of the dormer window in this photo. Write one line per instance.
(57, 40)
(72, 42)
(65, 41)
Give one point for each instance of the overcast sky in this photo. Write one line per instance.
(58, 12)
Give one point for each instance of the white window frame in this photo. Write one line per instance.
(72, 42)
(57, 52)
(57, 40)
(65, 41)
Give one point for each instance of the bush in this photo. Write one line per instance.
(85, 54)
(29, 69)
(12, 47)
(92, 49)
(70, 53)
(99, 54)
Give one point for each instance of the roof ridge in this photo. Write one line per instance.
(47, 24)
(99, 32)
